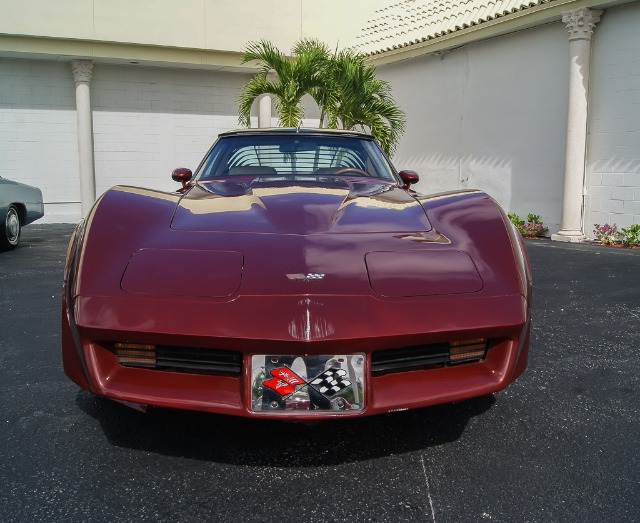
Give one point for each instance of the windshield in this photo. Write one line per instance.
(295, 154)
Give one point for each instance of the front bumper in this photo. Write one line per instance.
(90, 361)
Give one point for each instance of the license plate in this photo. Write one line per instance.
(291, 383)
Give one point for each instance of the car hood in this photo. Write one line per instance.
(308, 206)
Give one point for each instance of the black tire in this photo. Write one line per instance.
(10, 229)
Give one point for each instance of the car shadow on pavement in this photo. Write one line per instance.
(267, 443)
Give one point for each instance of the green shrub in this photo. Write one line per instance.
(630, 236)
(533, 227)
(515, 219)
(606, 234)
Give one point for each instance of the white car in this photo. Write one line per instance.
(20, 205)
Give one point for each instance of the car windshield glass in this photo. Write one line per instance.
(275, 155)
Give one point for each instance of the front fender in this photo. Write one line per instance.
(476, 224)
(124, 220)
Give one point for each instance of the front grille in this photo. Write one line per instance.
(425, 356)
(196, 359)
(408, 358)
(180, 359)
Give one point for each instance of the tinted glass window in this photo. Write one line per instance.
(273, 155)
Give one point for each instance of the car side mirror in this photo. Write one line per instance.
(409, 178)
(182, 175)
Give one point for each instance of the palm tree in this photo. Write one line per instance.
(365, 102)
(345, 88)
(294, 77)
(325, 92)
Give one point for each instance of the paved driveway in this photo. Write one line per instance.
(562, 444)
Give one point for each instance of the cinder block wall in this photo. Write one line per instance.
(613, 158)
(38, 132)
(490, 116)
(146, 122)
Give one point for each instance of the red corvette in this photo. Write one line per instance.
(295, 275)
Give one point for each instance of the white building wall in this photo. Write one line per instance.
(490, 116)
(146, 122)
(38, 132)
(613, 157)
(188, 24)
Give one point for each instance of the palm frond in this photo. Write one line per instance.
(291, 115)
(250, 91)
(269, 57)
(343, 85)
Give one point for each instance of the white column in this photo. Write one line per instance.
(81, 70)
(580, 24)
(264, 117)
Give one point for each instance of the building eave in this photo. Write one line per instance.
(520, 20)
(62, 49)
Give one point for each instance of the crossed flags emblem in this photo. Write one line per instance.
(285, 382)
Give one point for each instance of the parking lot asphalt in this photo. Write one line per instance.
(561, 444)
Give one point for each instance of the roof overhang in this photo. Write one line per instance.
(65, 50)
(513, 22)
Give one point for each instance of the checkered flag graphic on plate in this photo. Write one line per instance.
(331, 381)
